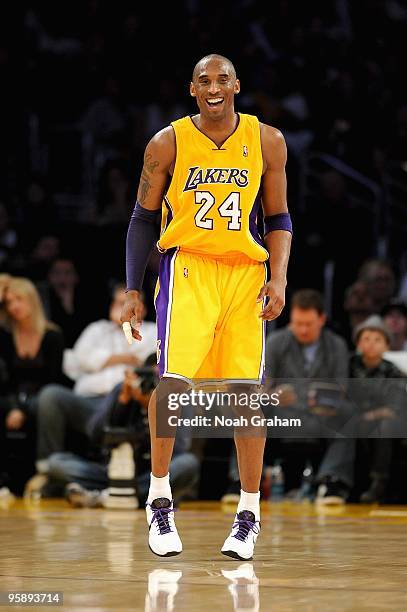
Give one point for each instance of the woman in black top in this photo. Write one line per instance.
(31, 350)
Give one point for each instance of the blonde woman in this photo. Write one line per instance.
(31, 348)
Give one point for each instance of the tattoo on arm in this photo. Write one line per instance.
(148, 169)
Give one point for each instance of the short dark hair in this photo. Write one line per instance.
(308, 299)
(214, 56)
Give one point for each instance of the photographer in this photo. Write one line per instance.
(122, 420)
(97, 363)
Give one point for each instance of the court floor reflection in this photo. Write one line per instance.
(162, 588)
(244, 588)
(351, 559)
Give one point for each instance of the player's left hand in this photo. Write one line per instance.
(274, 290)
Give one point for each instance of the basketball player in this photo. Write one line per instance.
(201, 177)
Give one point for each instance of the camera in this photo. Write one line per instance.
(148, 378)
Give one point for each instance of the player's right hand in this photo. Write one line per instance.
(286, 396)
(132, 312)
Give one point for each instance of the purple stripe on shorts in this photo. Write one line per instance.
(161, 306)
(253, 222)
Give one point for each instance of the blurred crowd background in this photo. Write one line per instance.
(85, 85)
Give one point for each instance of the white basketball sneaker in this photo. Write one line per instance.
(242, 538)
(163, 538)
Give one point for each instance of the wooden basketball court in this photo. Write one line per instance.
(352, 558)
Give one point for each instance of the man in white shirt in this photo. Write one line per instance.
(101, 354)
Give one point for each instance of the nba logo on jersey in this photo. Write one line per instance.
(245, 151)
(186, 272)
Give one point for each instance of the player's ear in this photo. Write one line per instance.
(323, 318)
(237, 86)
(192, 90)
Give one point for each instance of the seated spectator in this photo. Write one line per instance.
(380, 404)
(64, 300)
(402, 295)
(115, 202)
(358, 305)
(381, 281)
(125, 407)
(8, 240)
(38, 208)
(98, 361)
(306, 349)
(4, 280)
(107, 121)
(31, 349)
(395, 319)
(45, 251)
(101, 354)
(31, 346)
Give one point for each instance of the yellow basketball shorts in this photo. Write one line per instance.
(208, 324)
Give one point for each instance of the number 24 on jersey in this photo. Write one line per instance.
(229, 208)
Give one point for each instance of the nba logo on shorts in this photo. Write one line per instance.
(158, 350)
(245, 151)
(186, 272)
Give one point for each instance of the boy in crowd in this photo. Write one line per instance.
(378, 401)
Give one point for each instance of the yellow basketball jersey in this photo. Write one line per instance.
(211, 205)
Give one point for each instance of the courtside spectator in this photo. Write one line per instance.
(31, 347)
(379, 401)
(306, 349)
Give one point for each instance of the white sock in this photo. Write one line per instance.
(159, 487)
(249, 501)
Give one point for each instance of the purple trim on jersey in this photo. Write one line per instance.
(161, 307)
(169, 214)
(253, 223)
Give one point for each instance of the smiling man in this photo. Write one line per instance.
(202, 177)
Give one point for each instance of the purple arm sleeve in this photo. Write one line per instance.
(143, 233)
(282, 221)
